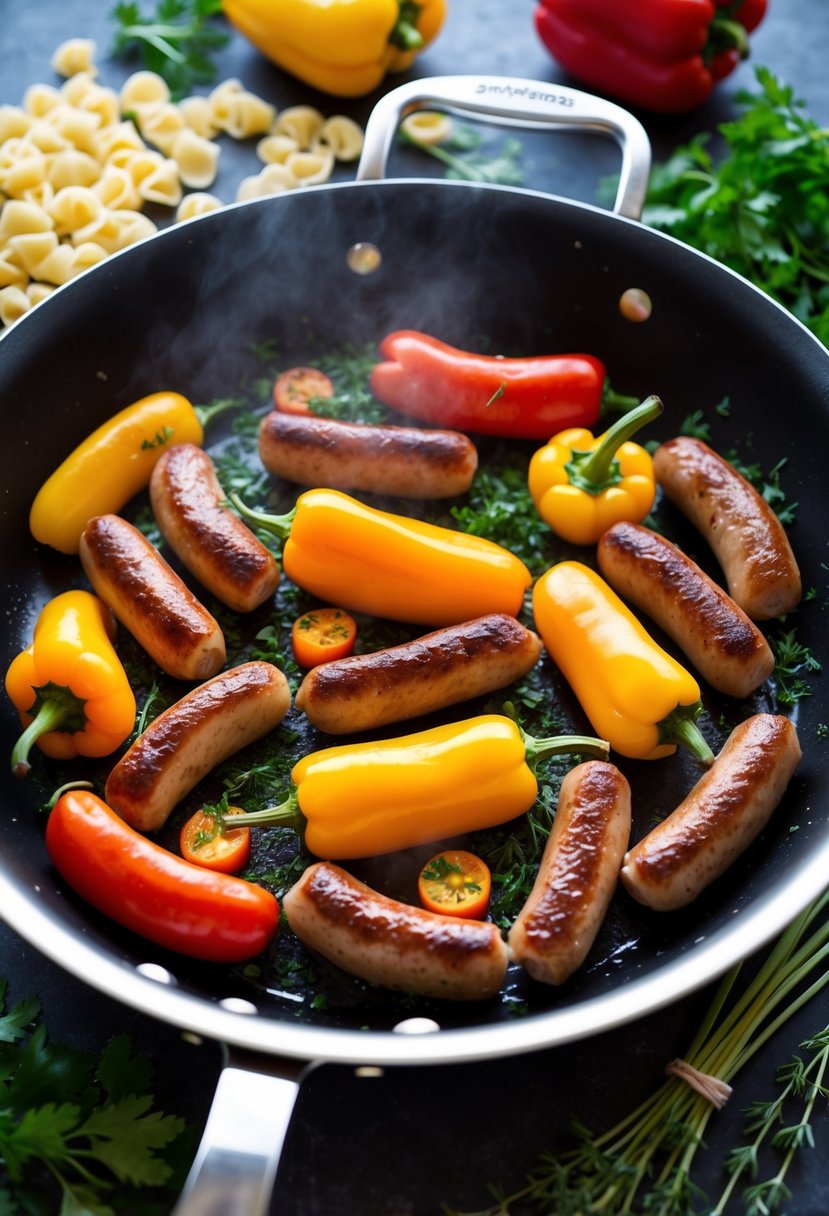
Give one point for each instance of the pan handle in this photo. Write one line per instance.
(510, 101)
(234, 1168)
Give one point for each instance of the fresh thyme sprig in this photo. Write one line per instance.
(645, 1162)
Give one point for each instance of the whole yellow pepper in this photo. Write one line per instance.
(634, 693)
(366, 799)
(69, 686)
(392, 566)
(112, 464)
(581, 486)
(341, 47)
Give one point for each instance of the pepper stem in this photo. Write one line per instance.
(680, 727)
(597, 469)
(618, 403)
(725, 34)
(279, 525)
(287, 813)
(206, 413)
(563, 745)
(405, 33)
(51, 714)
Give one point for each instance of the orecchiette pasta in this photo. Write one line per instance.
(13, 304)
(143, 87)
(197, 159)
(79, 162)
(343, 136)
(74, 55)
(197, 203)
(302, 123)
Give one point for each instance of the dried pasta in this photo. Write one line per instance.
(79, 162)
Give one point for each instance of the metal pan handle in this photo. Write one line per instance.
(235, 1166)
(510, 101)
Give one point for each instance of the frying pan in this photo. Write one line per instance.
(528, 273)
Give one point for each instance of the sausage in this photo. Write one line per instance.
(724, 645)
(190, 738)
(454, 664)
(727, 808)
(150, 600)
(215, 545)
(746, 536)
(394, 944)
(412, 462)
(577, 876)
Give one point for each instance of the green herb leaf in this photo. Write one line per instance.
(177, 40)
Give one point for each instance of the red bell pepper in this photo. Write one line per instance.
(157, 894)
(526, 398)
(661, 55)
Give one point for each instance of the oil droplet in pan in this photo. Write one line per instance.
(364, 258)
(635, 304)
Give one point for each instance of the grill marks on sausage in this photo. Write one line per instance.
(210, 540)
(727, 808)
(394, 944)
(413, 462)
(746, 536)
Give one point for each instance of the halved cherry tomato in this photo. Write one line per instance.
(203, 842)
(321, 635)
(455, 883)
(295, 388)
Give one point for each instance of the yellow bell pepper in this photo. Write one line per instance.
(366, 799)
(112, 464)
(341, 47)
(69, 686)
(366, 560)
(633, 692)
(581, 486)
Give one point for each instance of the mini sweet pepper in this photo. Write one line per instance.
(663, 55)
(341, 47)
(582, 485)
(69, 687)
(634, 693)
(367, 799)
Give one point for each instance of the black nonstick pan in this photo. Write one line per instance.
(522, 273)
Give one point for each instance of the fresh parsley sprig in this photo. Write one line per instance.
(177, 40)
(761, 206)
(77, 1133)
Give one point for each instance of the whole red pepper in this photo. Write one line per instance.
(526, 398)
(157, 894)
(661, 55)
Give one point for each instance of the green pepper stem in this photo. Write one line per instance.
(405, 35)
(618, 403)
(52, 714)
(563, 745)
(594, 471)
(279, 525)
(725, 34)
(286, 814)
(680, 727)
(206, 413)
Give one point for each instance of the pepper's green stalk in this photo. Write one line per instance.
(597, 470)
(279, 525)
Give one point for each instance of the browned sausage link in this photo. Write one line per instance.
(394, 944)
(746, 536)
(150, 600)
(213, 543)
(730, 804)
(724, 645)
(190, 738)
(412, 462)
(577, 876)
(439, 669)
